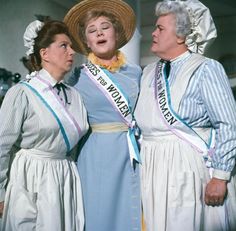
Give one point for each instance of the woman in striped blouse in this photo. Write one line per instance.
(188, 125)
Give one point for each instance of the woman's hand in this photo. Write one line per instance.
(216, 191)
(1, 208)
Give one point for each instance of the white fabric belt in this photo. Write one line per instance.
(109, 127)
(42, 154)
(168, 135)
(159, 138)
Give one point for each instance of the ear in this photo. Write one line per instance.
(117, 37)
(180, 40)
(44, 54)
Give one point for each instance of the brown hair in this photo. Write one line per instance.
(94, 14)
(45, 37)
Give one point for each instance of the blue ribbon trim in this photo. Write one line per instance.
(54, 114)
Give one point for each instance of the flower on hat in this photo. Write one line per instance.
(30, 34)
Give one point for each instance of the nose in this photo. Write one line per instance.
(154, 33)
(99, 32)
(71, 51)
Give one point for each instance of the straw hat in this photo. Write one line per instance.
(118, 8)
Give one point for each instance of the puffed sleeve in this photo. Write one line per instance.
(12, 116)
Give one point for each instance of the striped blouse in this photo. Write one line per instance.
(209, 102)
(26, 123)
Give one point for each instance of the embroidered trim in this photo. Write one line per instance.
(114, 66)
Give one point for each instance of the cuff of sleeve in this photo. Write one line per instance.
(219, 174)
(2, 195)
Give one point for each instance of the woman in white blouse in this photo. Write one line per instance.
(42, 120)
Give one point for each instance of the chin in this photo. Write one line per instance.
(67, 70)
(153, 50)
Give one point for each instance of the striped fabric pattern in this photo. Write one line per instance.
(209, 102)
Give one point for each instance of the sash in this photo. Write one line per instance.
(69, 128)
(119, 101)
(173, 122)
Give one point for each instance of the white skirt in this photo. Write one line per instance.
(43, 194)
(173, 180)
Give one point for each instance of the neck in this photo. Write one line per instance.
(173, 53)
(112, 64)
(56, 74)
(107, 61)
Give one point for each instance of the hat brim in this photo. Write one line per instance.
(118, 8)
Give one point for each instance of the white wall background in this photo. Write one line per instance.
(15, 15)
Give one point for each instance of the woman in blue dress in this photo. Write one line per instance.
(109, 85)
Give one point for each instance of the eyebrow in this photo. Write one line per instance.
(106, 22)
(65, 41)
(160, 26)
(102, 23)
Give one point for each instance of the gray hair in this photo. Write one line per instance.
(178, 9)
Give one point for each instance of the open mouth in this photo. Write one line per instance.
(101, 42)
